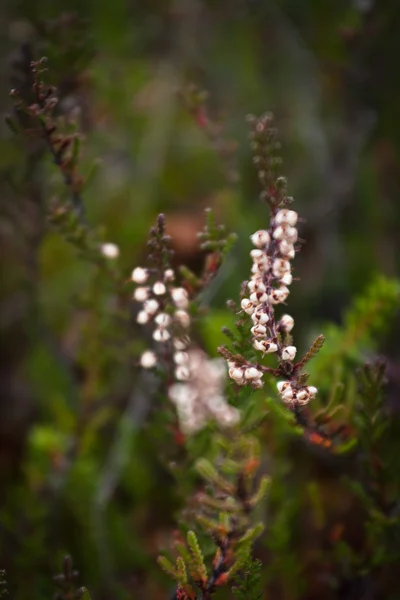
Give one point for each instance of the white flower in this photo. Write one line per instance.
(237, 375)
(169, 275)
(257, 384)
(148, 359)
(289, 353)
(258, 297)
(279, 295)
(286, 249)
(260, 238)
(139, 275)
(180, 297)
(247, 305)
(141, 294)
(151, 306)
(256, 286)
(286, 323)
(260, 317)
(312, 391)
(258, 330)
(163, 320)
(291, 234)
(159, 288)
(282, 386)
(257, 254)
(182, 317)
(182, 373)
(286, 216)
(288, 394)
(181, 358)
(286, 279)
(302, 397)
(265, 346)
(161, 335)
(280, 267)
(252, 373)
(110, 250)
(181, 343)
(143, 317)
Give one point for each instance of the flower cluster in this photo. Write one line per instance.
(165, 307)
(201, 397)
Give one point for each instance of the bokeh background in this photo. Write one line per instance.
(328, 70)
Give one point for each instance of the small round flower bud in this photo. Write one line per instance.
(143, 317)
(257, 254)
(260, 317)
(252, 373)
(291, 234)
(181, 343)
(110, 250)
(278, 233)
(312, 391)
(148, 359)
(288, 394)
(279, 295)
(257, 384)
(139, 275)
(286, 216)
(237, 375)
(265, 346)
(260, 238)
(161, 335)
(289, 353)
(159, 288)
(286, 249)
(182, 317)
(141, 294)
(181, 358)
(302, 397)
(286, 279)
(282, 386)
(256, 286)
(286, 323)
(280, 267)
(169, 275)
(180, 297)
(258, 297)
(258, 330)
(163, 320)
(151, 306)
(247, 305)
(182, 373)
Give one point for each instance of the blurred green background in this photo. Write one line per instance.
(328, 70)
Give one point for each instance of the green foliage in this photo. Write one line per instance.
(247, 583)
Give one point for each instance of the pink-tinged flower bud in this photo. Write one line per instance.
(286, 249)
(260, 317)
(257, 254)
(286, 216)
(159, 288)
(182, 317)
(252, 373)
(181, 343)
(143, 317)
(265, 346)
(141, 294)
(247, 305)
(260, 238)
(180, 297)
(258, 297)
(181, 358)
(148, 359)
(163, 320)
(302, 397)
(237, 375)
(169, 275)
(279, 233)
(291, 234)
(279, 295)
(280, 267)
(286, 323)
(151, 306)
(289, 353)
(258, 330)
(139, 275)
(161, 335)
(182, 373)
(257, 384)
(312, 391)
(110, 250)
(256, 286)
(288, 394)
(286, 279)
(282, 386)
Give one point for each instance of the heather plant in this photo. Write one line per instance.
(221, 433)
